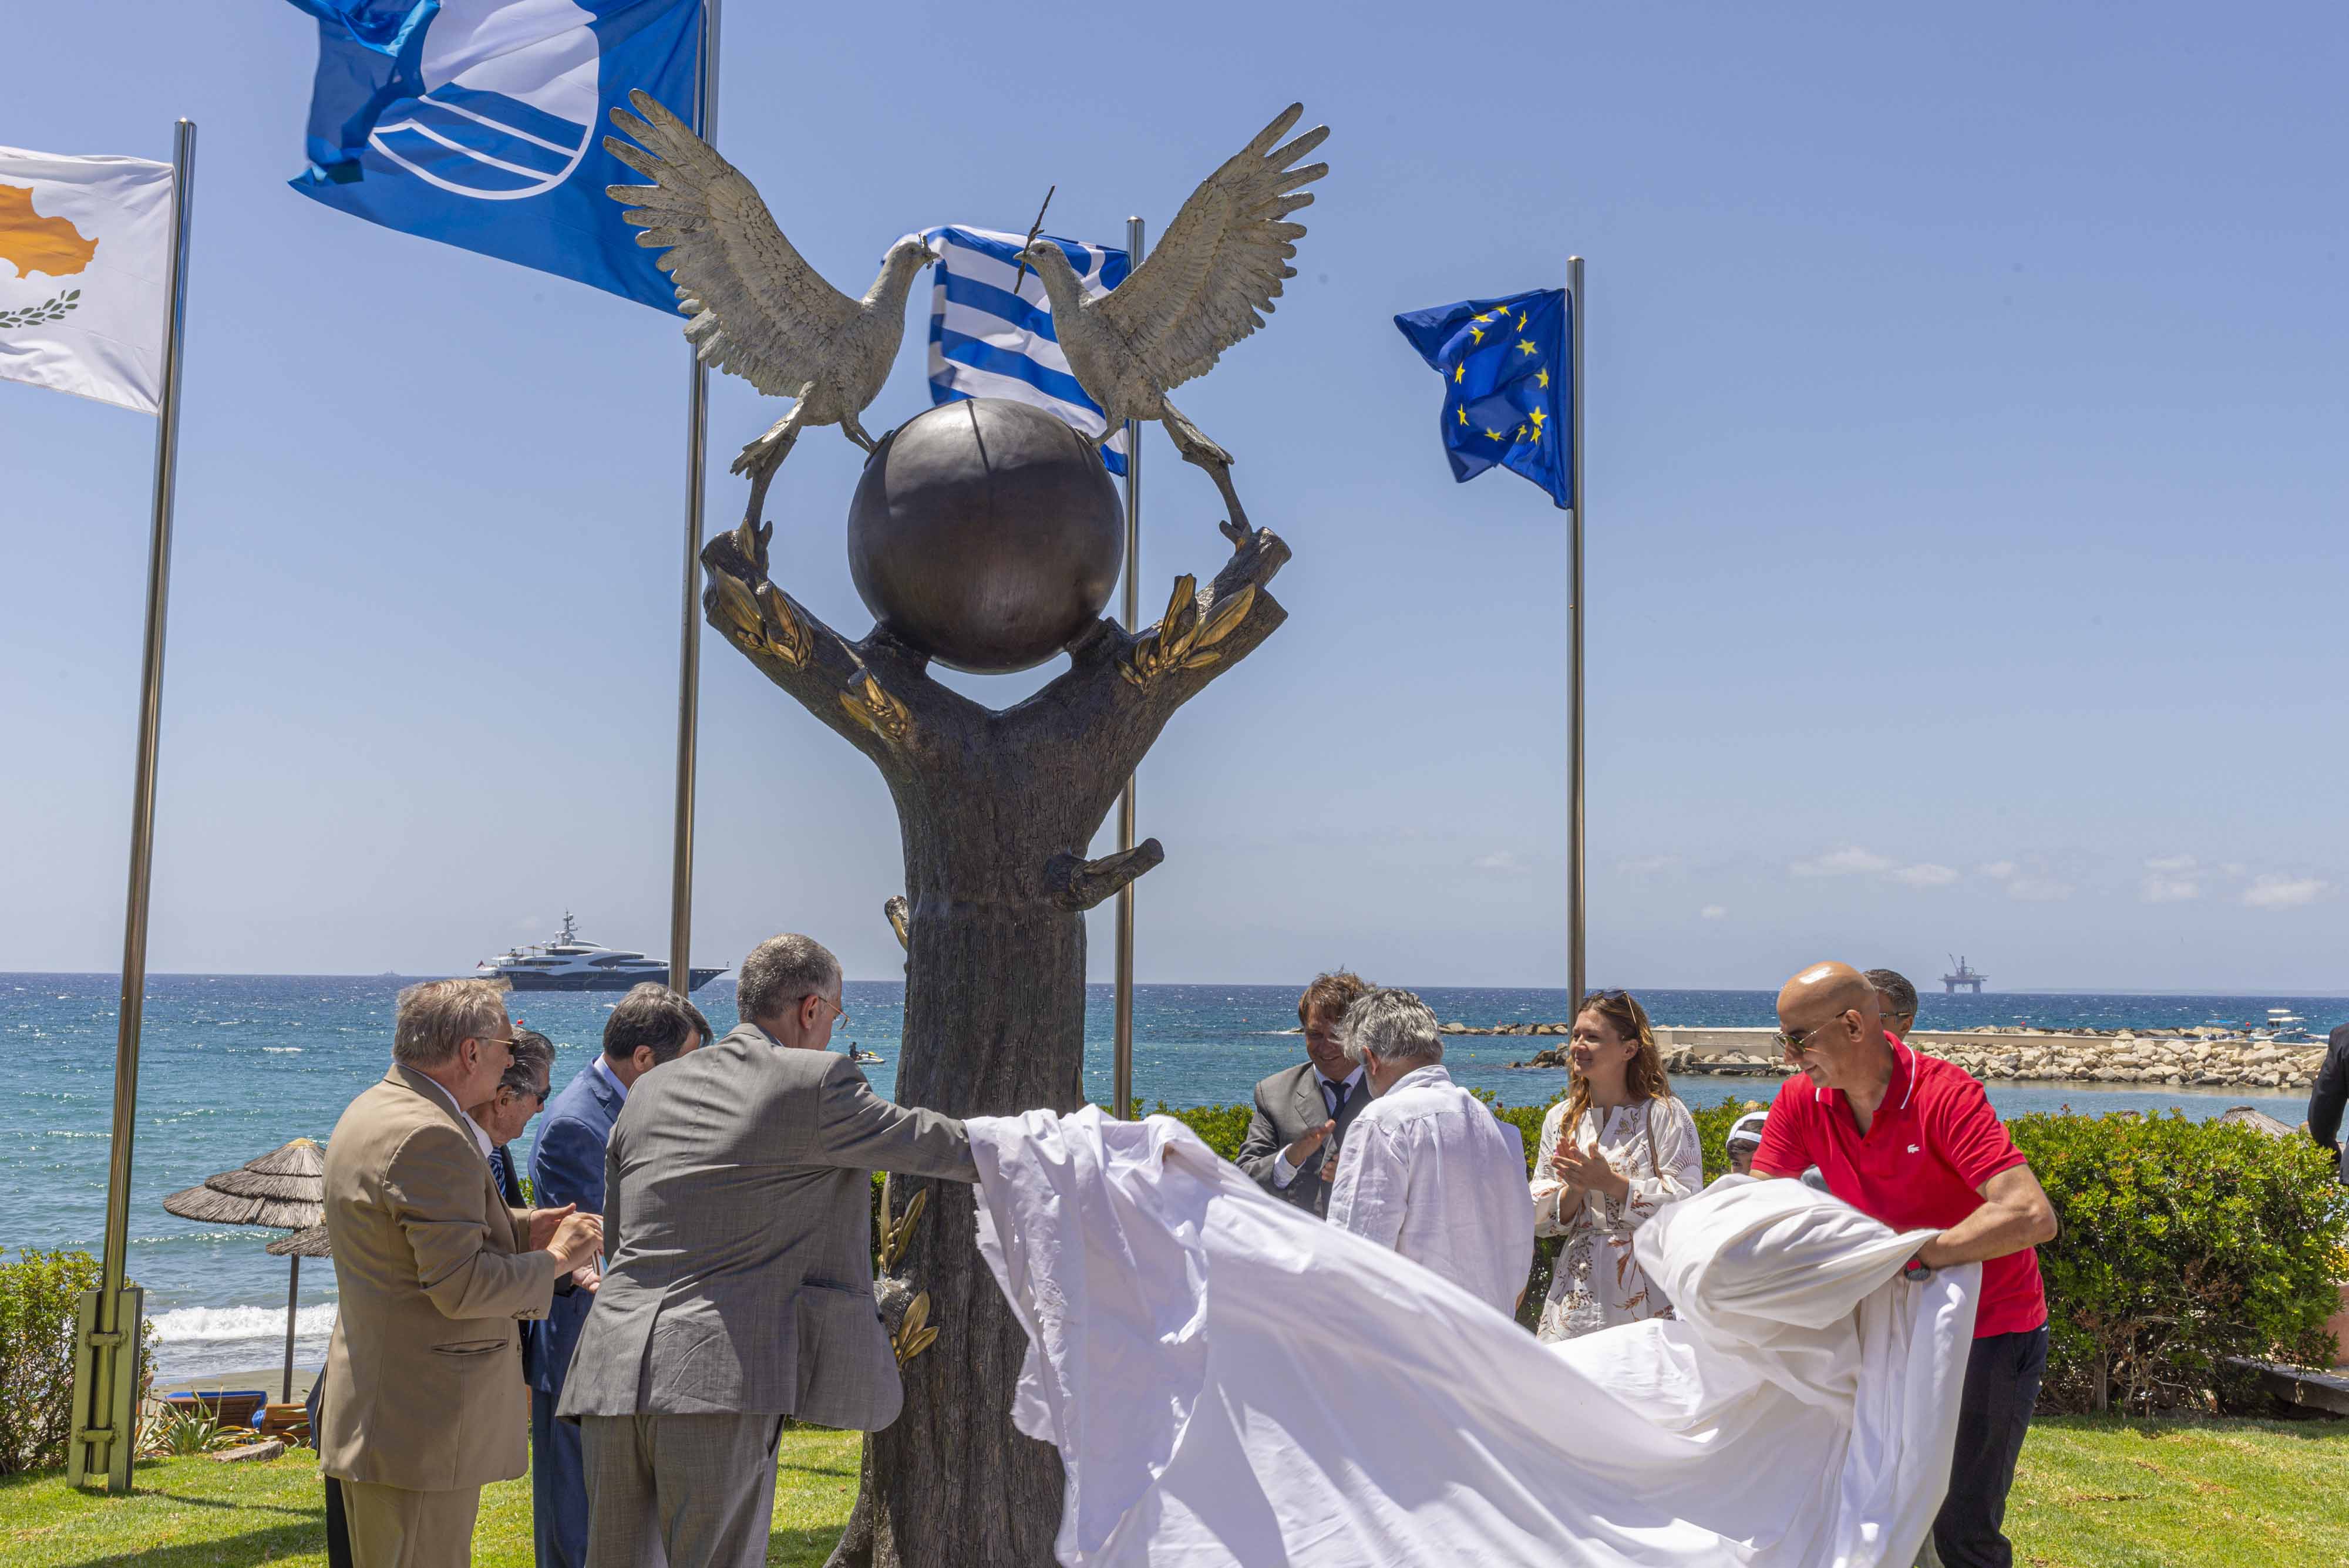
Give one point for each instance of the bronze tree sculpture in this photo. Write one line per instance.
(996, 809)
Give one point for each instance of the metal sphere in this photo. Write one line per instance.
(986, 533)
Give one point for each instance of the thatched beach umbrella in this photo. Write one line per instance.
(284, 1190)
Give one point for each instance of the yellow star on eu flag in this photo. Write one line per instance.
(1458, 372)
(1541, 377)
(1526, 346)
(1463, 413)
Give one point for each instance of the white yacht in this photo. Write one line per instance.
(569, 962)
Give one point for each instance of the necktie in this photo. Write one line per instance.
(1335, 1093)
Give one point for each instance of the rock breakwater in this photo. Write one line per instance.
(2183, 1058)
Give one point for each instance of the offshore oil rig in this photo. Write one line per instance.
(1962, 979)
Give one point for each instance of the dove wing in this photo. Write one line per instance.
(1221, 261)
(758, 308)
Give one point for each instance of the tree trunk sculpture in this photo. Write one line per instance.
(997, 810)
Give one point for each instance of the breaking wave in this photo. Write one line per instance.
(206, 1325)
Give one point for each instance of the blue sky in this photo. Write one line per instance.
(1967, 471)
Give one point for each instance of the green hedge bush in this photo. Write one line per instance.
(2183, 1243)
(40, 1293)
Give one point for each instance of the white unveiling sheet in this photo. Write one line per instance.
(1231, 1381)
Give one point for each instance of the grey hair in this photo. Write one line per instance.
(1896, 994)
(779, 971)
(432, 1019)
(533, 1059)
(1392, 1026)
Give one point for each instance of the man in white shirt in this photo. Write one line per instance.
(1303, 1111)
(1426, 1169)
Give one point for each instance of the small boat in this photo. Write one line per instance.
(857, 1054)
(2284, 1025)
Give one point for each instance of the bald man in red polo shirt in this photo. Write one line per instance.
(1912, 1140)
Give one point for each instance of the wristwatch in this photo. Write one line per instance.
(1917, 1270)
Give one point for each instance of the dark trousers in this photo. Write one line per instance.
(558, 1486)
(1994, 1413)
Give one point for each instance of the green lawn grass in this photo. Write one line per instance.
(2092, 1493)
(198, 1513)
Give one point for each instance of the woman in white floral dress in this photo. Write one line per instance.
(1632, 1149)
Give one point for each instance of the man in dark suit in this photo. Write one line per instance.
(737, 1284)
(650, 1025)
(522, 1094)
(2328, 1094)
(1303, 1111)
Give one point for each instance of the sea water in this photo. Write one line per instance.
(234, 1066)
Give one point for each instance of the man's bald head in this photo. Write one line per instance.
(1824, 989)
(1833, 1023)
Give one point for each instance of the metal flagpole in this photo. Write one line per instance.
(106, 1348)
(1576, 907)
(688, 651)
(1125, 1011)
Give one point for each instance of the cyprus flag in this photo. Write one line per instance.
(85, 254)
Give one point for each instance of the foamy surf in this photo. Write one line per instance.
(214, 1326)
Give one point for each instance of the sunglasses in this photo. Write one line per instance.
(1795, 1044)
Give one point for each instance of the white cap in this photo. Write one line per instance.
(1747, 1129)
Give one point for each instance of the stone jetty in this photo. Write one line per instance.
(2206, 1057)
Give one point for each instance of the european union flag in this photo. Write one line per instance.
(1506, 369)
(480, 124)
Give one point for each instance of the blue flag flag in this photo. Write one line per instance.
(480, 124)
(1505, 369)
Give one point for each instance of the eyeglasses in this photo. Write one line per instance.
(1619, 995)
(1795, 1044)
(838, 1011)
(494, 1040)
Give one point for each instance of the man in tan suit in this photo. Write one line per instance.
(433, 1270)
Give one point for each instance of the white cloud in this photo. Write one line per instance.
(2160, 889)
(1851, 862)
(1997, 870)
(1713, 912)
(2170, 862)
(2038, 889)
(1926, 875)
(1501, 860)
(2271, 890)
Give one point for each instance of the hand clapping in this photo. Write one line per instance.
(1585, 1169)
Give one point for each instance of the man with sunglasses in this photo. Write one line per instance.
(1912, 1140)
(432, 1269)
(738, 1281)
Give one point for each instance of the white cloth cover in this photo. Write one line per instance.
(1229, 1380)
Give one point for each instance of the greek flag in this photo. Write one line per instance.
(988, 342)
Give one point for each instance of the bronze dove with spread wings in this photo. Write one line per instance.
(1221, 262)
(758, 308)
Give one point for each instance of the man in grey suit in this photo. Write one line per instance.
(738, 1285)
(1303, 1111)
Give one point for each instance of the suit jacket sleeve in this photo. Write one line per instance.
(859, 1130)
(612, 1196)
(2330, 1092)
(436, 1176)
(567, 1165)
(1261, 1146)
